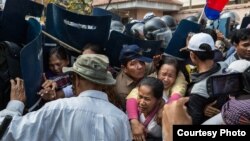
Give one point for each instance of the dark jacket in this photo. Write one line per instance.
(198, 93)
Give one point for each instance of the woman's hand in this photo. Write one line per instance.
(47, 94)
(138, 130)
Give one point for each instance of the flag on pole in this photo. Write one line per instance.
(214, 7)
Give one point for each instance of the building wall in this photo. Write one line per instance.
(100, 2)
(240, 9)
(132, 11)
(141, 12)
(195, 3)
(186, 3)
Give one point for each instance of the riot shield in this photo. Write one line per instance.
(35, 9)
(102, 12)
(13, 27)
(117, 40)
(222, 25)
(76, 29)
(178, 40)
(245, 22)
(31, 61)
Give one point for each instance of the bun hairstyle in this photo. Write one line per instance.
(205, 47)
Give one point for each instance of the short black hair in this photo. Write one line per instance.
(155, 84)
(240, 35)
(208, 54)
(211, 32)
(94, 47)
(60, 53)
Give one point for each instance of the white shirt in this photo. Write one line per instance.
(165, 95)
(2, 4)
(68, 92)
(153, 128)
(88, 117)
(215, 120)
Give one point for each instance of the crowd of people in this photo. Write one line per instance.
(88, 101)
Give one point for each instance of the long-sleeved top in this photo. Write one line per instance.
(88, 117)
(199, 96)
(62, 80)
(153, 129)
(233, 57)
(179, 88)
(125, 84)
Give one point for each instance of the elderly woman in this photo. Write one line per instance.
(150, 91)
(174, 87)
(58, 58)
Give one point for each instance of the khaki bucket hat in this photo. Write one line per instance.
(93, 67)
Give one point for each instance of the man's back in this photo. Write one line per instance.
(88, 117)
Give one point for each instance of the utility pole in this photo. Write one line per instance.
(106, 8)
(190, 4)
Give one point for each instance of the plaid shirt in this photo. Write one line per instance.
(62, 80)
(233, 110)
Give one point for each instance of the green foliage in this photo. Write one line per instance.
(78, 6)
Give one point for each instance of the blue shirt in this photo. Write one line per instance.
(88, 117)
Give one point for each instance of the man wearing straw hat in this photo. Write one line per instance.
(89, 116)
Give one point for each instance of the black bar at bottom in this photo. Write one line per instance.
(211, 132)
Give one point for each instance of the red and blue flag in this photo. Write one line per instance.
(213, 8)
